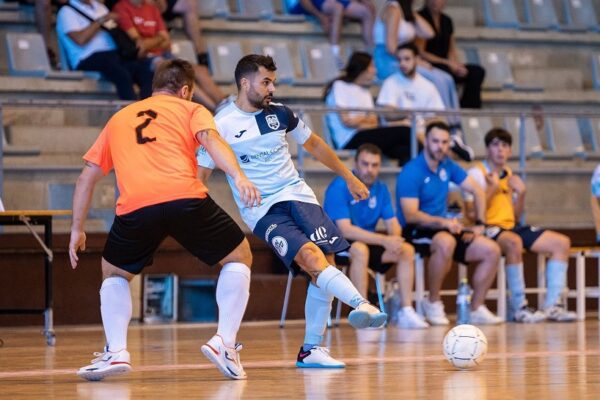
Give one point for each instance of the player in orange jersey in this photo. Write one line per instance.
(151, 145)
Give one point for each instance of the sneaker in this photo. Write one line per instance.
(460, 148)
(559, 313)
(483, 316)
(409, 319)
(226, 359)
(366, 316)
(434, 312)
(317, 357)
(106, 364)
(528, 315)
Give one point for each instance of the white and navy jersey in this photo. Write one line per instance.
(259, 142)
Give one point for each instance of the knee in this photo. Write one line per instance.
(513, 247)
(444, 246)
(310, 256)
(476, 73)
(243, 254)
(359, 251)
(490, 249)
(563, 244)
(407, 252)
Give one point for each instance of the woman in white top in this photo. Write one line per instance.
(399, 24)
(351, 129)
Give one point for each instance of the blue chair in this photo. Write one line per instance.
(500, 14)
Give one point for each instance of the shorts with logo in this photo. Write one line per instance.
(199, 225)
(528, 234)
(289, 225)
(421, 238)
(375, 255)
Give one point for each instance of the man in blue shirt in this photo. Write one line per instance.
(421, 195)
(357, 220)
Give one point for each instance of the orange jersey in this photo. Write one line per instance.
(151, 144)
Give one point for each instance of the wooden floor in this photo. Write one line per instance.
(553, 361)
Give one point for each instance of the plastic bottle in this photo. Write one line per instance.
(463, 303)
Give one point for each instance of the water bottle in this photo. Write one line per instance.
(463, 303)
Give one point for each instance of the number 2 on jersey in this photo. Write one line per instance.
(141, 139)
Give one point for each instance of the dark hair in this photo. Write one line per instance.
(498, 133)
(367, 148)
(172, 75)
(406, 6)
(250, 64)
(436, 124)
(358, 62)
(408, 46)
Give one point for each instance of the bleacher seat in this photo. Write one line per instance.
(318, 63)
(213, 8)
(533, 147)
(595, 59)
(564, 138)
(27, 56)
(594, 132)
(540, 14)
(580, 15)
(224, 56)
(262, 9)
(498, 73)
(283, 59)
(474, 129)
(185, 50)
(500, 14)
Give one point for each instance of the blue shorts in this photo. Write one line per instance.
(528, 234)
(289, 225)
(298, 9)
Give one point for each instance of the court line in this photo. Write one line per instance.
(291, 364)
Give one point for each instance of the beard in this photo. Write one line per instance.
(437, 155)
(411, 72)
(258, 101)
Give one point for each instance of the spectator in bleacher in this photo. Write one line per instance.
(349, 130)
(143, 22)
(1, 205)
(440, 50)
(421, 196)
(357, 220)
(406, 89)
(399, 24)
(331, 14)
(90, 48)
(595, 201)
(505, 199)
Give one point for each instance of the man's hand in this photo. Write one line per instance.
(477, 229)
(76, 243)
(357, 189)
(492, 180)
(516, 184)
(453, 225)
(393, 244)
(249, 194)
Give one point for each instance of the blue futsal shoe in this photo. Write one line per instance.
(366, 316)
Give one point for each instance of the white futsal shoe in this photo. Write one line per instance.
(226, 359)
(106, 364)
(409, 319)
(559, 313)
(434, 312)
(317, 357)
(483, 316)
(366, 316)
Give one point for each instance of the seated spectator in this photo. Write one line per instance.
(1, 205)
(331, 13)
(406, 89)
(90, 48)
(357, 221)
(440, 51)
(505, 194)
(421, 194)
(349, 130)
(399, 24)
(595, 201)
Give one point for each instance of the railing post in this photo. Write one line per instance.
(522, 154)
(414, 148)
(1, 152)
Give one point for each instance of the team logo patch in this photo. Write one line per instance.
(272, 121)
(372, 202)
(443, 175)
(280, 245)
(269, 230)
(245, 159)
(319, 236)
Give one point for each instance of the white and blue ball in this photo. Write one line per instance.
(465, 346)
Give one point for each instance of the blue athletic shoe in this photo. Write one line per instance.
(317, 357)
(366, 316)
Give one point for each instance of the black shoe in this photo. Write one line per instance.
(461, 149)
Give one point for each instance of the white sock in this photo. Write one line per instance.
(115, 307)
(233, 290)
(317, 310)
(335, 283)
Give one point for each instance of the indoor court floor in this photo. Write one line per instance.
(543, 361)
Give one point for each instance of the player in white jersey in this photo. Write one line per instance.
(289, 217)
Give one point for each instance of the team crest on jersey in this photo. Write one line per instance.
(372, 202)
(443, 175)
(272, 121)
(245, 159)
(281, 245)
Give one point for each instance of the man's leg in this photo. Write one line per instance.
(365, 14)
(359, 262)
(512, 248)
(109, 64)
(442, 247)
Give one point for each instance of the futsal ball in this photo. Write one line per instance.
(465, 346)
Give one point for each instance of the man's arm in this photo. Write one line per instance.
(83, 36)
(412, 215)
(82, 199)
(225, 159)
(319, 149)
(391, 242)
(519, 189)
(470, 186)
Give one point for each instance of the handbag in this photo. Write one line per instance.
(126, 47)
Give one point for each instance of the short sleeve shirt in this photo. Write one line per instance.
(151, 144)
(339, 204)
(417, 181)
(145, 18)
(596, 182)
(404, 93)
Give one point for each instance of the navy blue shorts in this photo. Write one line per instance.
(298, 9)
(528, 234)
(289, 225)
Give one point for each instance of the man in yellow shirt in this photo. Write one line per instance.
(505, 199)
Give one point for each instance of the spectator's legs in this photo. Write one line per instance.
(405, 271)
(142, 73)
(440, 262)
(335, 11)
(471, 96)
(364, 13)
(43, 21)
(359, 262)
(486, 253)
(109, 64)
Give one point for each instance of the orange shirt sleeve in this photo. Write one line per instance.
(99, 153)
(201, 120)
